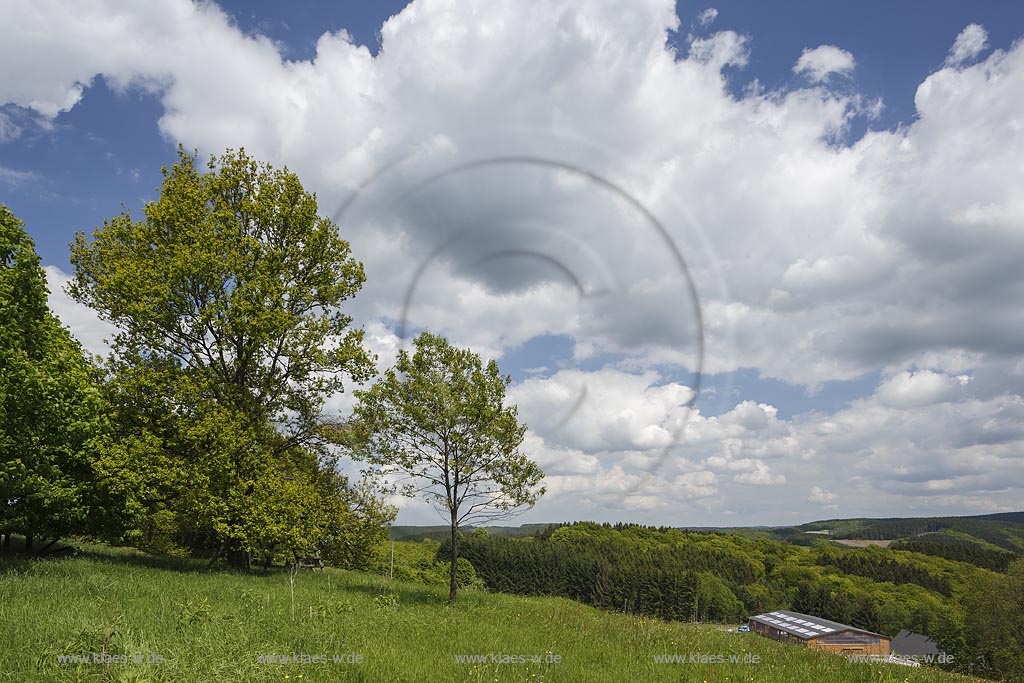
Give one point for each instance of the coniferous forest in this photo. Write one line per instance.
(971, 611)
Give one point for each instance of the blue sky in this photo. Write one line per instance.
(848, 258)
(108, 149)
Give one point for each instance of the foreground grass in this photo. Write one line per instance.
(214, 626)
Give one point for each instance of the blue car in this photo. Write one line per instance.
(743, 629)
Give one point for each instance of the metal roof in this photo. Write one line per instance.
(805, 626)
(910, 643)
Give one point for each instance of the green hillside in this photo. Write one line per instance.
(1008, 535)
(1002, 531)
(214, 626)
(994, 538)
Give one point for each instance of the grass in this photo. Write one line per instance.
(213, 626)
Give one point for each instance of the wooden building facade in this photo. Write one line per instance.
(815, 632)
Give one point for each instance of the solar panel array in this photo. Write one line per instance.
(802, 627)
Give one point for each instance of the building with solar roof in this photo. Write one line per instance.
(803, 629)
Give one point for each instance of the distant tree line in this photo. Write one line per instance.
(677, 575)
(1004, 532)
(881, 568)
(960, 551)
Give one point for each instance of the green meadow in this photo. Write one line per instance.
(121, 616)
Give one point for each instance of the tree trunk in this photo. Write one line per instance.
(454, 584)
(240, 559)
(7, 540)
(28, 543)
(213, 560)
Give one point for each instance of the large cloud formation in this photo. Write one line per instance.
(816, 257)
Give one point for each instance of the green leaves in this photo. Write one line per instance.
(50, 407)
(994, 622)
(227, 296)
(233, 275)
(438, 419)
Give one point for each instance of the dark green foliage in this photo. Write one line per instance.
(1013, 517)
(960, 551)
(440, 532)
(866, 615)
(882, 567)
(610, 567)
(1005, 532)
(810, 598)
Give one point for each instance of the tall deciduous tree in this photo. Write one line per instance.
(227, 297)
(439, 419)
(50, 406)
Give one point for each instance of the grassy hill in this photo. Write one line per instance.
(214, 626)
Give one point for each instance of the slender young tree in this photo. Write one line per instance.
(439, 419)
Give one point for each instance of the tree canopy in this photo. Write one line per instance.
(234, 280)
(228, 301)
(50, 406)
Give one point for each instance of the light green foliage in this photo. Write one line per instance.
(358, 525)
(995, 623)
(50, 408)
(422, 562)
(228, 301)
(234, 279)
(438, 418)
(716, 598)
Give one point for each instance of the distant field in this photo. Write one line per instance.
(861, 543)
(214, 626)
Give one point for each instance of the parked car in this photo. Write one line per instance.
(743, 629)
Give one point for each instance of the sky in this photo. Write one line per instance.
(746, 263)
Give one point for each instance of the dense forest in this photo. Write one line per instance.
(1002, 531)
(673, 574)
(961, 551)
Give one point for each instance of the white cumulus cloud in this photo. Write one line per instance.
(969, 44)
(707, 16)
(83, 322)
(820, 62)
(815, 257)
(822, 497)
